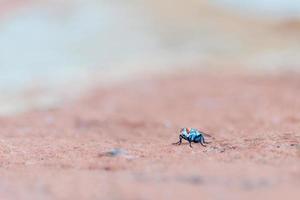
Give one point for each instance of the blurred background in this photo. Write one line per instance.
(51, 49)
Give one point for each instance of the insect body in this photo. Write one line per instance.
(191, 135)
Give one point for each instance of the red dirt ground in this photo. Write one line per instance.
(253, 119)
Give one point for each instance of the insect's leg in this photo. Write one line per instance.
(205, 142)
(180, 140)
(202, 142)
(190, 143)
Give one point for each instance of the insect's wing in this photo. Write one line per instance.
(206, 135)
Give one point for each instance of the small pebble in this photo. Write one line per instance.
(167, 124)
(114, 153)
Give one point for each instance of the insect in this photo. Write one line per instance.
(192, 135)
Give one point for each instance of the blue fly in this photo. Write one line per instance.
(192, 135)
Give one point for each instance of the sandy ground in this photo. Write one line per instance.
(65, 153)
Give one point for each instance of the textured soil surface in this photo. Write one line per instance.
(116, 142)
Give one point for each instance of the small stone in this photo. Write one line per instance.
(167, 124)
(114, 153)
(222, 150)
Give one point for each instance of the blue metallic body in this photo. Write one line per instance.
(192, 135)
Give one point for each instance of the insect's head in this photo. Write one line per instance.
(184, 132)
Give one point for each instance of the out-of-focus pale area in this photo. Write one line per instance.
(52, 47)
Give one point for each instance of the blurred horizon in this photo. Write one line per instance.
(50, 45)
